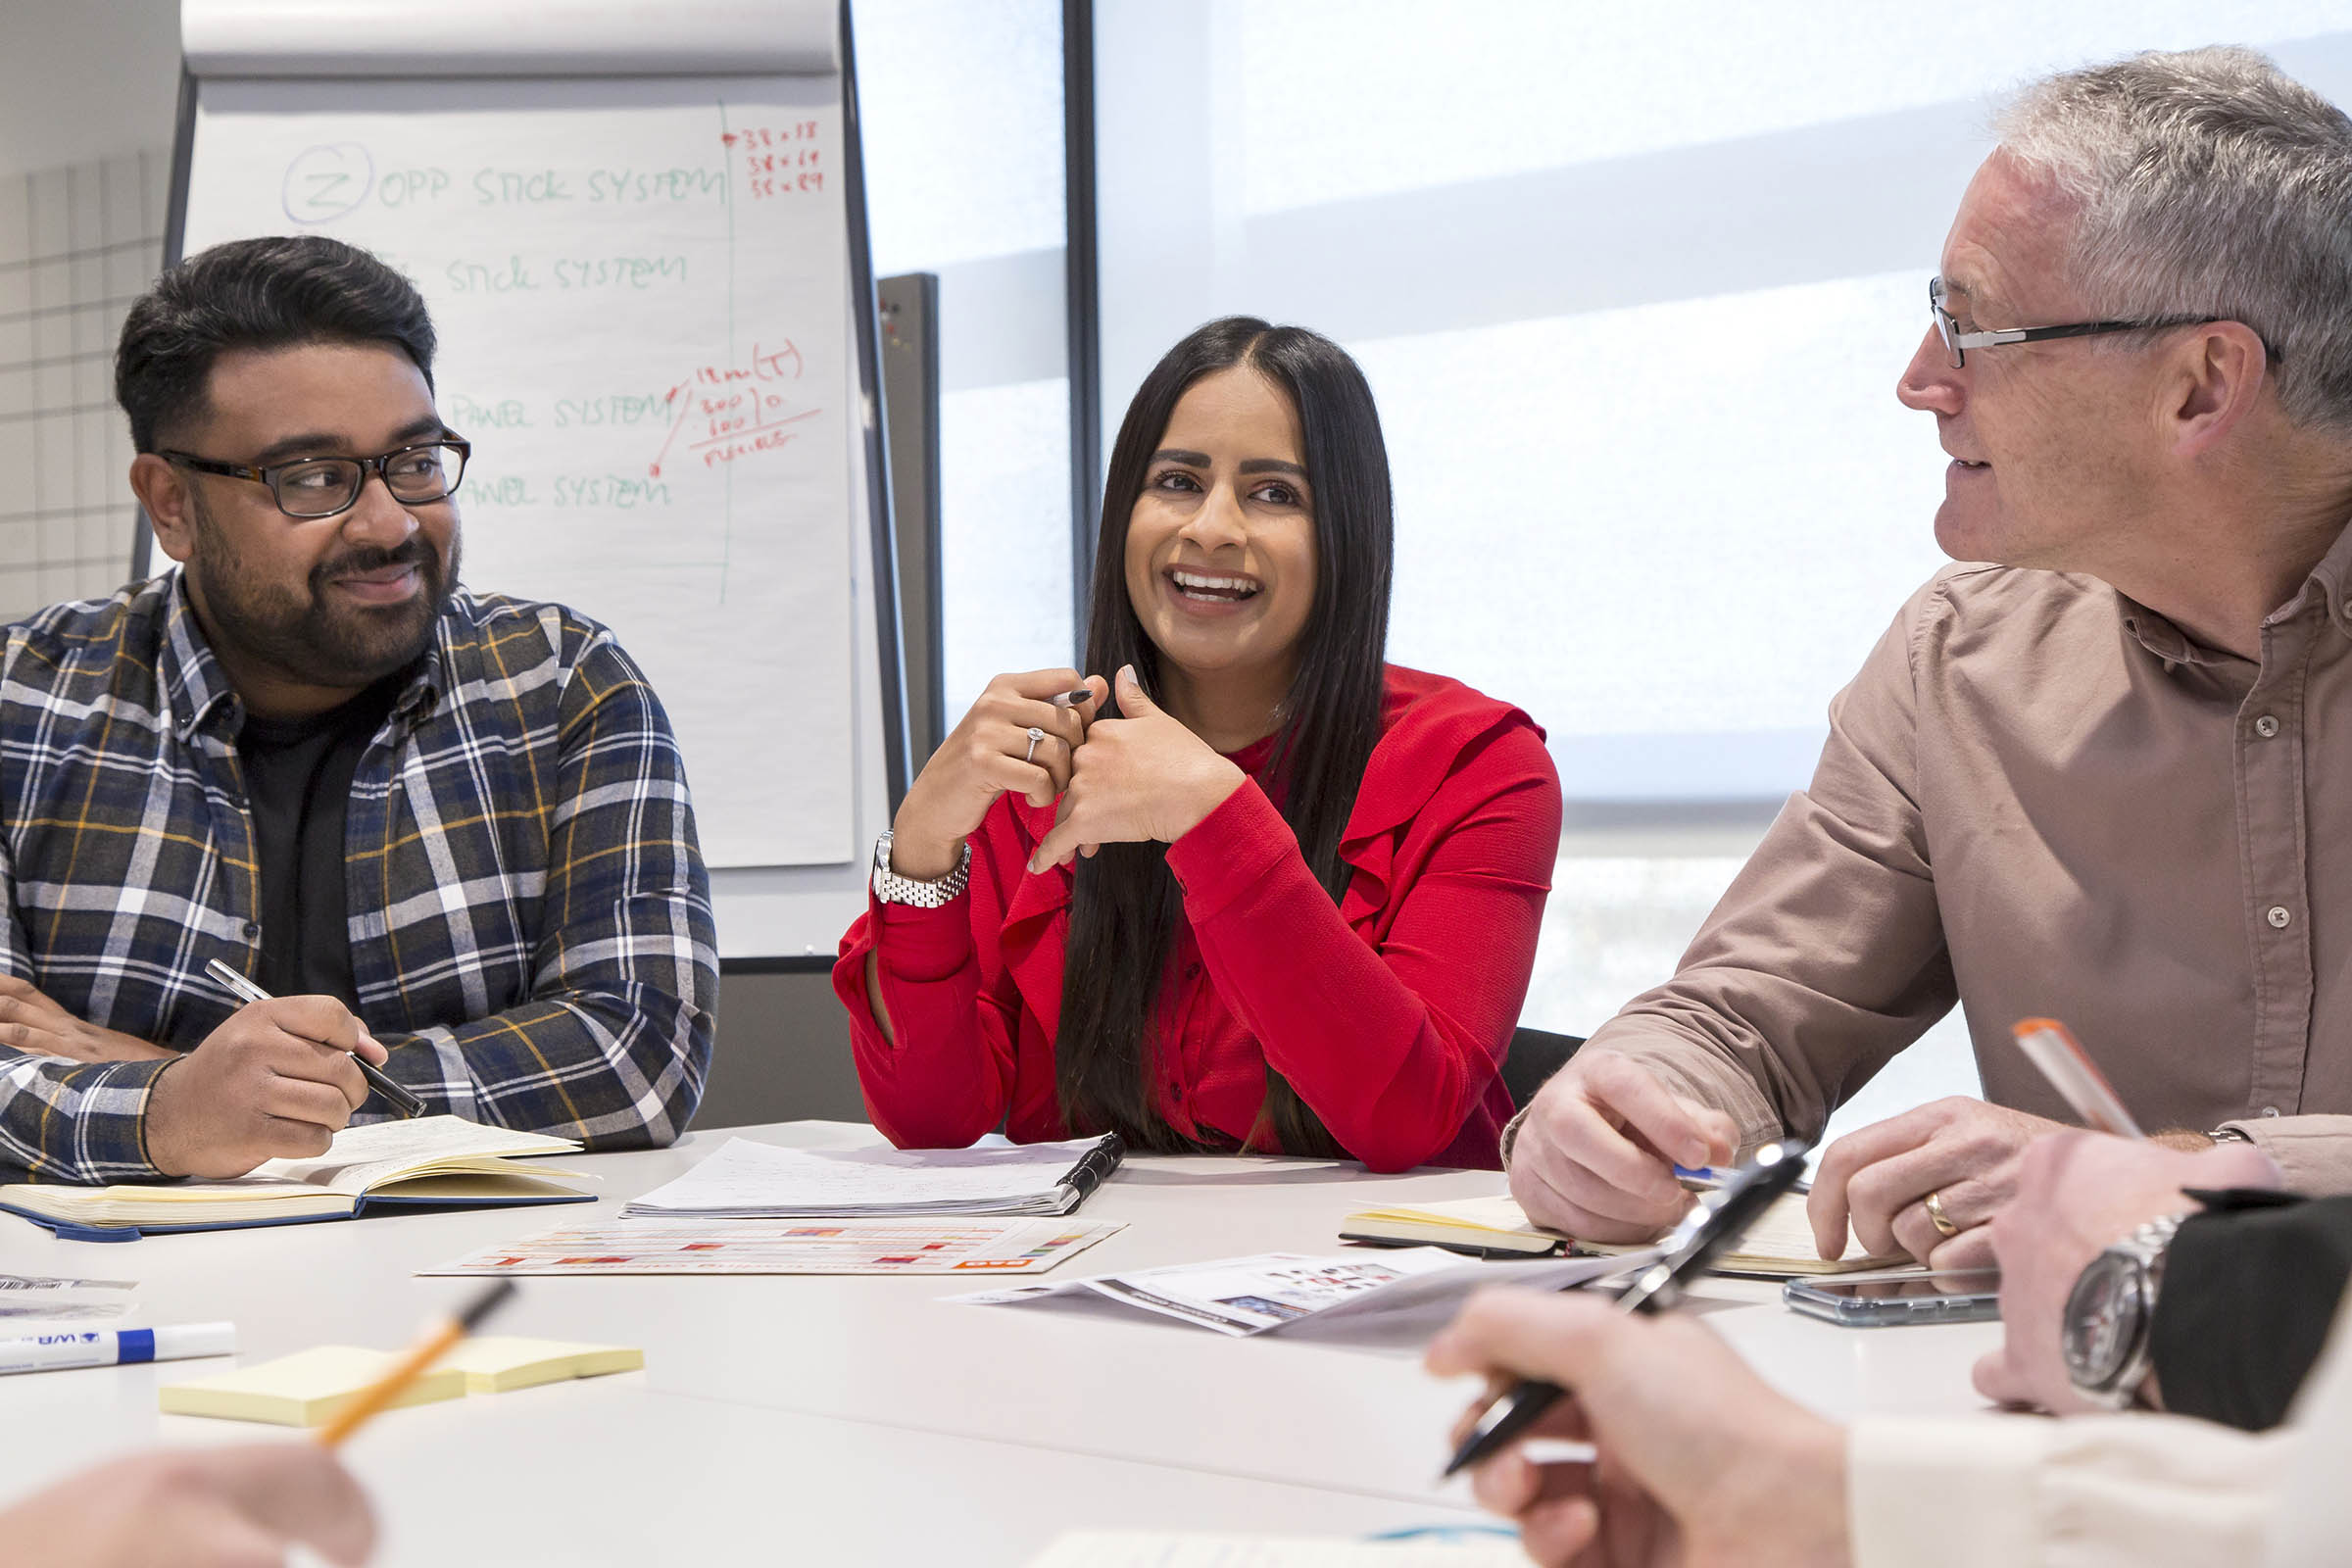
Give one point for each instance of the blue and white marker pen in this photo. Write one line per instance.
(50, 1352)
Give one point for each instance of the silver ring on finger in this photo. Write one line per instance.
(1035, 735)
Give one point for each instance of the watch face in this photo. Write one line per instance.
(2103, 1320)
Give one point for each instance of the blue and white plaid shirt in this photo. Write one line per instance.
(530, 922)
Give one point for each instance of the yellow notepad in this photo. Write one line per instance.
(307, 1388)
(1777, 1246)
(430, 1160)
(302, 1390)
(497, 1364)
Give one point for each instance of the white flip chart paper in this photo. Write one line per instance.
(641, 291)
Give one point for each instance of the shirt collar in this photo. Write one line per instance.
(2332, 581)
(2328, 590)
(2156, 632)
(197, 687)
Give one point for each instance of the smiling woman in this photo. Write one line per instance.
(1286, 900)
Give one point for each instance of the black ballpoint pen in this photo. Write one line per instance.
(1718, 1220)
(397, 1094)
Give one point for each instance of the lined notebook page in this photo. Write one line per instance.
(377, 1152)
(1782, 1236)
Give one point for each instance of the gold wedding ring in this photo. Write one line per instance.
(1938, 1218)
(1035, 735)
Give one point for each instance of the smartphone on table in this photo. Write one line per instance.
(1897, 1297)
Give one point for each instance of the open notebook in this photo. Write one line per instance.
(432, 1161)
(1777, 1246)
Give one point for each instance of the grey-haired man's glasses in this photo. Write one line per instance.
(1957, 343)
(327, 488)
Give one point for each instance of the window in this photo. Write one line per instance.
(961, 110)
(1632, 285)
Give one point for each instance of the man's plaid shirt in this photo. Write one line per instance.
(530, 926)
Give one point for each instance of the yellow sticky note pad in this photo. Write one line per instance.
(496, 1364)
(302, 1390)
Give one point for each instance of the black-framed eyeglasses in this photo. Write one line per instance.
(1957, 343)
(310, 488)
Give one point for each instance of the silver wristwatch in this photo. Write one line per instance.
(892, 888)
(2108, 1331)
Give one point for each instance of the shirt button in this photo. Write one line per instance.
(2278, 915)
(2266, 726)
(2269, 1110)
(253, 931)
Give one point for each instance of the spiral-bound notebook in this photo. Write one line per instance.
(748, 1180)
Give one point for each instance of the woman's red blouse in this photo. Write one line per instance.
(1388, 1013)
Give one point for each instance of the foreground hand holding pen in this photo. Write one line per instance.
(1697, 1460)
(1715, 1222)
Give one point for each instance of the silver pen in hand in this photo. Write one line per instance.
(244, 990)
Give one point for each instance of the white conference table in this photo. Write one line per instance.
(863, 1419)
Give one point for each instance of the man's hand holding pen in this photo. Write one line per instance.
(278, 1080)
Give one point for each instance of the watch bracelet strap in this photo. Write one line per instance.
(2150, 1242)
(914, 891)
(2143, 1250)
(2156, 1236)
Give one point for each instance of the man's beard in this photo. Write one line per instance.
(327, 642)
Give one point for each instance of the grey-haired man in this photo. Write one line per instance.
(2107, 777)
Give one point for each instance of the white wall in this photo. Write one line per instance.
(85, 79)
(88, 91)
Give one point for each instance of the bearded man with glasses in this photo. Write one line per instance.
(448, 831)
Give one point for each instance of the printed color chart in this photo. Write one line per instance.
(791, 1247)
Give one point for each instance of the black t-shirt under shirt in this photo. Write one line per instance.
(298, 775)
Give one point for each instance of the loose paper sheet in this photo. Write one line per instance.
(989, 1247)
(29, 1299)
(1243, 1296)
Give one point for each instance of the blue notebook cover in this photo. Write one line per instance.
(68, 1231)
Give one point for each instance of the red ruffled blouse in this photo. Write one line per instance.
(1389, 1012)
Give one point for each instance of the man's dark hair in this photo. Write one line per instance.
(269, 293)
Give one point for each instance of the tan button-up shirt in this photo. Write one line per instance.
(2040, 798)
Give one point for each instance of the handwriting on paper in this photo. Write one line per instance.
(722, 413)
(778, 159)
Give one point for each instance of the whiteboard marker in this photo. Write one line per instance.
(50, 1352)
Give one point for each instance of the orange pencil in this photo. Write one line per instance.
(422, 1355)
(2052, 1046)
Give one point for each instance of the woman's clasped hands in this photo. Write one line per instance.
(1142, 776)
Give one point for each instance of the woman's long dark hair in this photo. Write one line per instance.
(1124, 907)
